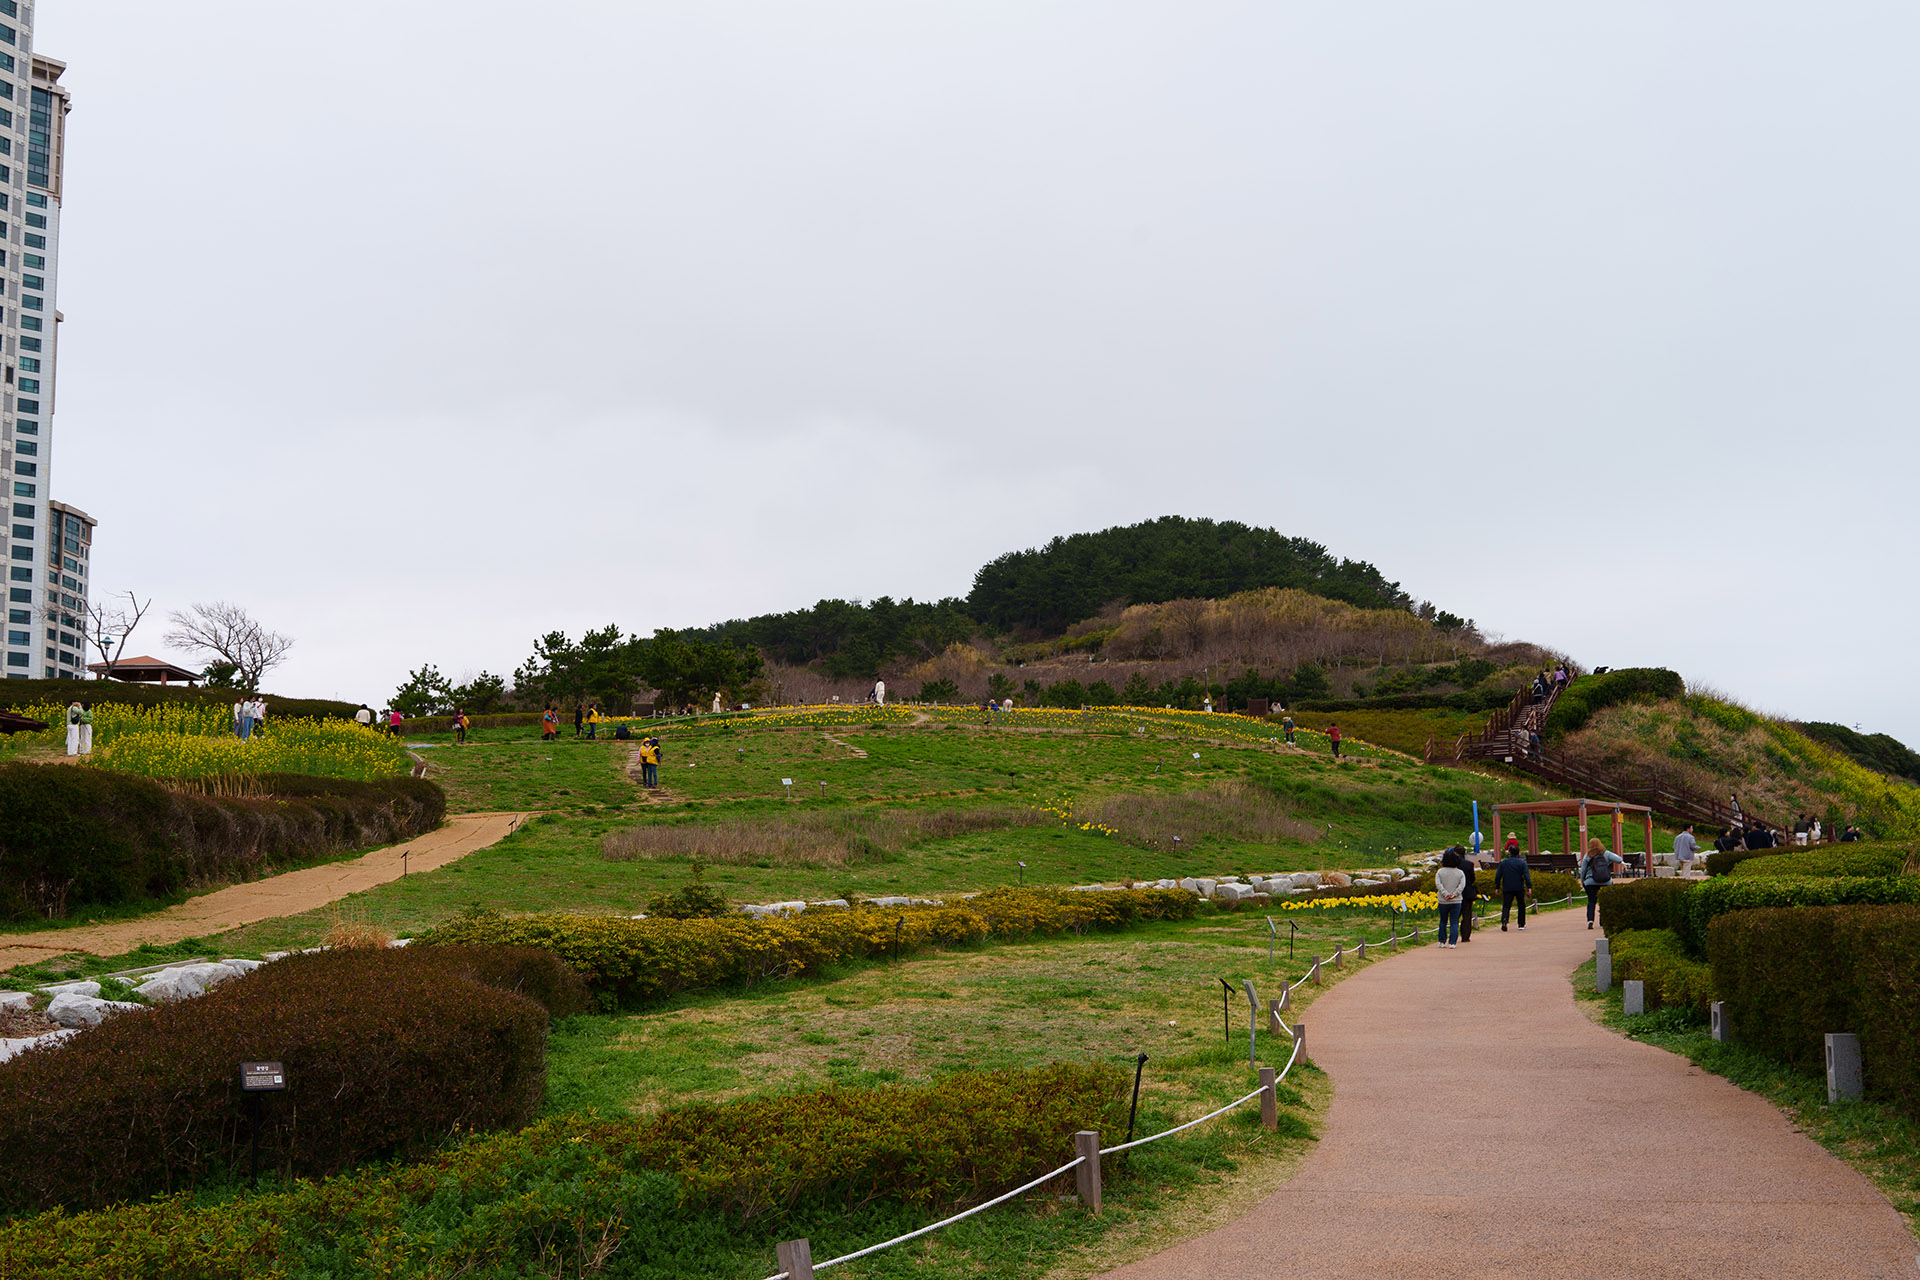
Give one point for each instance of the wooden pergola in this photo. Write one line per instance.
(1582, 810)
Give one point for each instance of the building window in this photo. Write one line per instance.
(29, 344)
(51, 655)
(29, 322)
(30, 385)
(28, 447)
(19, 595)
(33, 241)
(28, 364)
(73, 545)
(26, 428)
(69, 641)
(32, 303)
(20, 616)
(8, 34)
(68, 583)
(24, 511)
(25, 468)
(21, 489)
(20, 573)
(24, 532)
(19, 637)
(29, 406)
(23, 553)
(33, 260)
(72, 565)
(37, 220)
(33, 282)
(18, 659)
(9, 8)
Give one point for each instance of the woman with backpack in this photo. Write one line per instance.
(1449, 884)
(1596, 872)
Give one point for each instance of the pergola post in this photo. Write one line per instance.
(1619, 842)
(1496, 828)
(1648, 818)
(1566, 835)
(1583, 828)
(1533, 833)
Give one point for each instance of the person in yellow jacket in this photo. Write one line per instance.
(593, 720)
(650, 763)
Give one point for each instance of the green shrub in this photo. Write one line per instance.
(573, 1196)
(28, 693)
(1713, 898)
(1656, 957)
(1720, 864)
(1464, 700)
(1588, 695)
(1645, 904)
(635, 961)
(385, 1052)
(1790, 976)
(72, 838)
(1842, 860)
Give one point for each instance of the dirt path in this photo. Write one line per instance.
(282, 895)
(1482, 1126)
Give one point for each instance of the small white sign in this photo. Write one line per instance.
(786, 782)
(1196, 755)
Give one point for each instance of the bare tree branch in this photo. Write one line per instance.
(226, 632)
(103, 624)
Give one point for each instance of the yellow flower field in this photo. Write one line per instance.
(316, 748)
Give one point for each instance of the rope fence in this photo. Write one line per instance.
(795, 1257)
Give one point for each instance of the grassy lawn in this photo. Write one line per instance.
(1879, 1141)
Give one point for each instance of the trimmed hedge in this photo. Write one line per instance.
(568, 1195)
(1711, 899)
(627, 962)
(1658, 958)
(72, 838)
(1842, 860)
(1588, 695)
(1720, 864)
(1791, 976)
(385, 1052)
(1640, 905)
(27, 693)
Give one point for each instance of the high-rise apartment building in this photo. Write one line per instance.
(49, 543)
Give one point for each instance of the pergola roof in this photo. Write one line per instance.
(144, 668)
(1571, 808)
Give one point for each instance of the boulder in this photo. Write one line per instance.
(890, 902)
(840, 904)
(1190, 884)
(1339, 878)
(76, 1011)
(1305, 879)
(12, 1047)
(186, 981)
(1205, 885)
(73, 988)
(15, 999)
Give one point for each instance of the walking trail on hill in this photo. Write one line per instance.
(1483, 1126)
(283, 895)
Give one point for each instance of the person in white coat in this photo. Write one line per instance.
(73, 727)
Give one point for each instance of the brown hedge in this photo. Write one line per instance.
(73, 838)
(386, 1052)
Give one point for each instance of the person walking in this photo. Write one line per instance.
(593, 721)
(1286, 726)
(73, 727)
(460, 727)
(579, 717)
(1469, 894)
(86, 728)
(394, 721)
(549, 724)
(364, 716)
(1514, 879)
(259, 713)
(246, 719)
(1684, 848)
(1449, 883)
(236, 719)
(1596, 872)
(1333, 738)
(1739, 819)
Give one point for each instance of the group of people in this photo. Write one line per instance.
(1458, 890)
(390, 720)
(249, 717)
(79, 728)
(1547, 682)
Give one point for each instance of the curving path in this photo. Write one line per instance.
(286, 894)
(1482, 1126)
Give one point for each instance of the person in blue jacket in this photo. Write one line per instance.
(1514, 879)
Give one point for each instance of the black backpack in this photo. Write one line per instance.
(1599, 869)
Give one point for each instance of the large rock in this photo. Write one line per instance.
(1340, 878)
(1232, 892)
(75, 1011)
(1306, 879)
(73, 988)
(890, 902)
(13, 1047)
(187, 981)
(15, 999)
(1190, 884)
(1204, 886)
(839, 904)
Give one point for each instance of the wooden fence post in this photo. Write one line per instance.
(1339, 955)
(1273, 1013)
(1086, 1175)
(795, 1257)
(1269, 1101)
(1318, 981)
(1361, 950)
(1300, 1037)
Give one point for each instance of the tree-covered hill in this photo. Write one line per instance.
(1047, 589)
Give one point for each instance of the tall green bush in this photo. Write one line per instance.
(1842, 860)
(1711, 899)
(1588, 695)
(1656, 957)
(1646, 904)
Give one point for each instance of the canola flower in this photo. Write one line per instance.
(1398, 903)
(316, 748)
(113, 720)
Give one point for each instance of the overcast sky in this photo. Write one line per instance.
(423, 334)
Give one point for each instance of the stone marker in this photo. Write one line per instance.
(1843, 1066)
(1633, 996)
(1717, 1020)
(1602, 966)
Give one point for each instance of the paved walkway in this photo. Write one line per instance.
(1483, 1126)
(282, 895)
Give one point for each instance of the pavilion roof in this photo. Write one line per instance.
(1571, 808)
